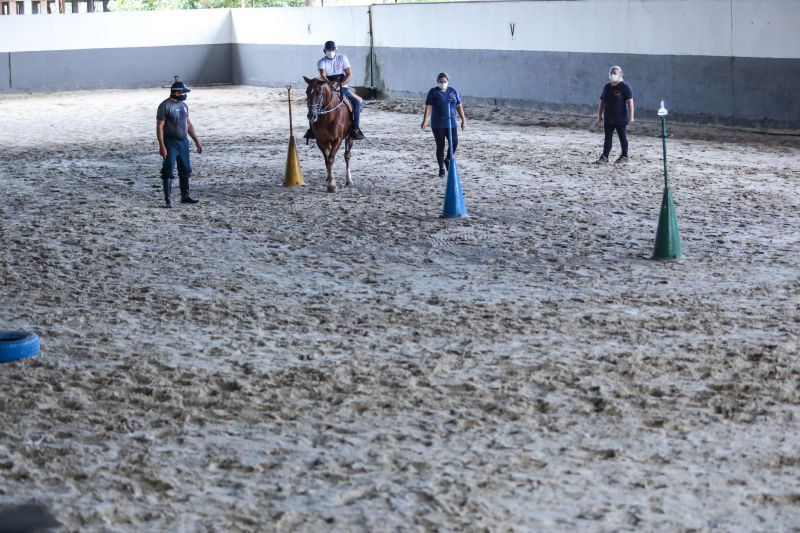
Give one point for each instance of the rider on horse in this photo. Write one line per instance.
(335, 67)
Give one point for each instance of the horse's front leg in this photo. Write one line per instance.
(348, 146)
(325, 148)
(330, 157)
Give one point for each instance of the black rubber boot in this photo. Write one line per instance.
(184, 183)
(166, 184)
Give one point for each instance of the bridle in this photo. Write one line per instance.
(315, 105)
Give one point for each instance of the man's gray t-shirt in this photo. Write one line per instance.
(176, 118)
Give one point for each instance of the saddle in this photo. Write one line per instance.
(347, 103)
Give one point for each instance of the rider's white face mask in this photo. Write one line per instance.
(443, 85)
(615, 77)
(330, 54)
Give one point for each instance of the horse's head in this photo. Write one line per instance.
(318, 93)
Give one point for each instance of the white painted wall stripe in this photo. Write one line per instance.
(741, 28)
(652, 27)
(766, 28)
(114, 30)
(348, 26)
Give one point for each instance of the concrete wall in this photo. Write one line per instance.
(88, 51)
(280, 46)
(726, 61)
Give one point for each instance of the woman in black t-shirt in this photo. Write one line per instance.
(615, 113)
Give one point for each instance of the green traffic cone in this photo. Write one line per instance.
(668, 239)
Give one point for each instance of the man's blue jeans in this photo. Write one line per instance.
(177, 152)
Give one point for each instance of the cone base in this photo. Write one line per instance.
(454, 206)
(668, 240)
(293, 176)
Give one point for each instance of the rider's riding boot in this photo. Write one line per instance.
(167, 186)
(356, 134)
(309, 135)
(184, 183)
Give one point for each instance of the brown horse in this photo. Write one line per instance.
(330, 121)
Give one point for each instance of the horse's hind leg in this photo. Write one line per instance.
(347, 147)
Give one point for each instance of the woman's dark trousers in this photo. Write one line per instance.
(440, 134)
(623, 139)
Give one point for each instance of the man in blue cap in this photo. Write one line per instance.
(172, 128)
(335, 67)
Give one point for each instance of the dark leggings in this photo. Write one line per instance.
(623, 139)
(440, 134)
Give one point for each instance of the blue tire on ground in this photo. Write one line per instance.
(17, 345)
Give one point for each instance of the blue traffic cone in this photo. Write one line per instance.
(453, 197)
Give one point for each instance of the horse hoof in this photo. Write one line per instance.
(331, 188)
(349, 183)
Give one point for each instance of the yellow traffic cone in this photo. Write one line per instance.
(294, 176)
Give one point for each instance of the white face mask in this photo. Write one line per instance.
(443, 85)
(615, 78)
(330, 54)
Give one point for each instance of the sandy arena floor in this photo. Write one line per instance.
(293, 360)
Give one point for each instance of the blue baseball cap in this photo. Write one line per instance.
(179, 86)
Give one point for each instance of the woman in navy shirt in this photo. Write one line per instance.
(442, 104)
(615, 113)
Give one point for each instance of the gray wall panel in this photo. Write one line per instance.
(119, 67)
(5, 72)
(260, 64)
(766, 90)
(756, 92)
(724, 90)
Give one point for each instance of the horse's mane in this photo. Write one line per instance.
(317, 81)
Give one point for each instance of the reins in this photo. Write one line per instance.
(326, 111)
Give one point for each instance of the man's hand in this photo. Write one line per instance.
(199, 147)
(162, 150)
(463, 124)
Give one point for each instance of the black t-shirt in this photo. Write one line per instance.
(616, 108)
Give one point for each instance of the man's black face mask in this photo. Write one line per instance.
(179, 96)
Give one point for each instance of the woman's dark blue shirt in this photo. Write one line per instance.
(615, 98)
(439, 100)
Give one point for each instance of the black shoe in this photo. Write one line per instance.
(441, 172)
(167, 203)
(356, 134)
(188, 200)
(309, 134)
